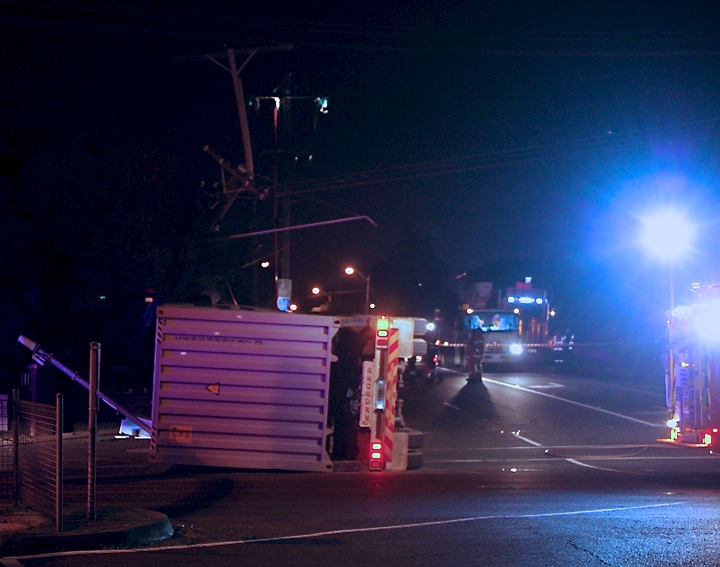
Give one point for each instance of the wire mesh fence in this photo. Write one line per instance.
(38, 457)
(7, 459)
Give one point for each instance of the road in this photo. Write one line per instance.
(531, 468)
(534, 419)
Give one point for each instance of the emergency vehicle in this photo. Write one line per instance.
(515, 322)
(692, 375)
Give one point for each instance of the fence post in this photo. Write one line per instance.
(16, 446)
(59, 426)
(92, 428)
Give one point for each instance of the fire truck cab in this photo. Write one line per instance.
(692, 376)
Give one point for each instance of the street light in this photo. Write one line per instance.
(667, 235)
(350, 271)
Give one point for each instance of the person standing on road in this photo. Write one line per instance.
(474, 350)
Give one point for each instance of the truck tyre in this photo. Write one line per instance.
(415, 438)
(414, 459)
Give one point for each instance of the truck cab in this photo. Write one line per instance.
(501, 330)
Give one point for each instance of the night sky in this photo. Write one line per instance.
(520, 138)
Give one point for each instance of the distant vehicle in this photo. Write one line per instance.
(515, 321)
(421, 368)
(501, 328)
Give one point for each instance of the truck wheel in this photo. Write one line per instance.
(415, 438)
(414, 459)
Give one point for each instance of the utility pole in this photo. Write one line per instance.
(242, 179)
(248, 169)
(282, 100)
(242, 115)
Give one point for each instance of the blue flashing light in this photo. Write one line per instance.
(539, 301)
(511, 299)
(516, 349)
(526, 300)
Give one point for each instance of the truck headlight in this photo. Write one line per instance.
(516, 349)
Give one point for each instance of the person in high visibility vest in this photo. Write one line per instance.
(474, 350)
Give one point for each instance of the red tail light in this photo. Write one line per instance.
(376, 462)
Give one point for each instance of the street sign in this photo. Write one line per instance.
(284, 294)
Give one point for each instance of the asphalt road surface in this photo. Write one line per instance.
(529, 468)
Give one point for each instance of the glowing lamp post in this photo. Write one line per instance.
(667, 235)
(350, 271)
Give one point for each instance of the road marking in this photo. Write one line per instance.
(634, 446)
(528, 441)
(349, 531)
(541, 459)
(559, 399)
(451, 406)
(551, 385)
(570, 460)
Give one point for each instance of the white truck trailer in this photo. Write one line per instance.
(248, 388)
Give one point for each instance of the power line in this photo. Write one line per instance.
(363, 36)
(503, 158)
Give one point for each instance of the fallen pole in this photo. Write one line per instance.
(42, 357)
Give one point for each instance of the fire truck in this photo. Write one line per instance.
(692, 371)
(515, 321)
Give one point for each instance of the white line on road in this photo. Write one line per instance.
(570, 460)
(350, 531)
(528, 441)
(427, 461)
(559, 399)
(553, 447)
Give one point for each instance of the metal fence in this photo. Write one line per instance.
(37, 433)
(7, 456)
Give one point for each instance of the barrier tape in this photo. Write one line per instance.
(553, 345)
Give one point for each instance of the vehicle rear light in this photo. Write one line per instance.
(376, 456)
(381, 333)
(710, 437)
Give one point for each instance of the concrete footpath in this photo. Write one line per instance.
(136, 498)
(25, 531)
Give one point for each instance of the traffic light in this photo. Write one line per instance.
(376, 456)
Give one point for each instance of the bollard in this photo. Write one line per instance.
(92, 428)
(59, 495)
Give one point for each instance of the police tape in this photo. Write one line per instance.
(555, 345)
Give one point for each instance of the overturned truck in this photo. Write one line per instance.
(249, 388)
